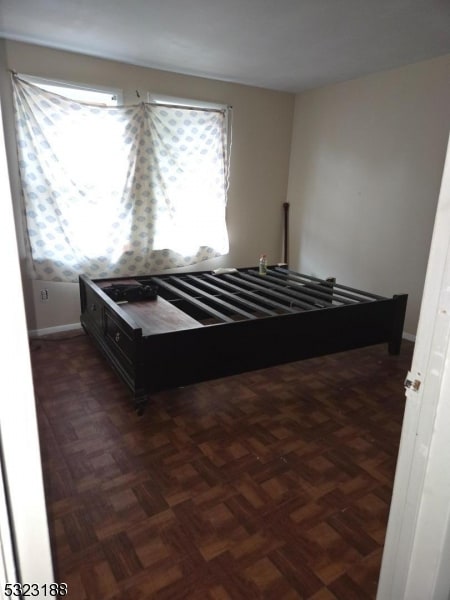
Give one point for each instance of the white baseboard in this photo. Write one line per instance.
(50, 330)
(409, 336)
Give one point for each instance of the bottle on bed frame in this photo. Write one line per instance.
(263, 264)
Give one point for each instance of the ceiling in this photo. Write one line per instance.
(289, 45)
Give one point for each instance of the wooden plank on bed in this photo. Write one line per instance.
(159, 316)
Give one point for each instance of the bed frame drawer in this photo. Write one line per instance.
(119, 340)
(94, 308)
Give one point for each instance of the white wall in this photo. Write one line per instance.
(366, 165)
(262, 126)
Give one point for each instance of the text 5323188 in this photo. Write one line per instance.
(35, 590)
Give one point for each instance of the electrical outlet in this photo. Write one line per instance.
(44, 295)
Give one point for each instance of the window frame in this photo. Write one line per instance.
(61, 86)
(176, 101)
(201, 250)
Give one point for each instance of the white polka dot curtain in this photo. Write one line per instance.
(119, 191)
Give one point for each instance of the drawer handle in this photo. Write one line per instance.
(93, 307)
(117, 337)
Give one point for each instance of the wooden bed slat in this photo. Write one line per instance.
(339, 286)
(212, 298)
(284, 287)
(251, 294)
(207, 309)
(238, 299)
(322, 290)
(267, 289)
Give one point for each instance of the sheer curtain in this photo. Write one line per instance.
(114, 191)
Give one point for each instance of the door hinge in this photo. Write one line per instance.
(411, 383)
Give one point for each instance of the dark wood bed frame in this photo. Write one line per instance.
(205, 325)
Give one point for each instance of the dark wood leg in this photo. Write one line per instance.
(140, 402)
(397, 326)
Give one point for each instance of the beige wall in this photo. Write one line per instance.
(262, 126)
(365, 172)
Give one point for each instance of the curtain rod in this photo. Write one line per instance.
(187, 107)
(166, 104)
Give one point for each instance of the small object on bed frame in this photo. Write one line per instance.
(204, 325)
(263, 264)
(121, 292)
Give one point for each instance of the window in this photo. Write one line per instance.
(115, 190)
(102, 97)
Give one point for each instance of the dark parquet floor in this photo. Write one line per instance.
(274, 484)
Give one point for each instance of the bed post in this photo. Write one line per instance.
(140, 402)
(286, 233)
(398, 319)
(331, 282)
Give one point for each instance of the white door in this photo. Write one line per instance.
(23, 518)
(416, 559)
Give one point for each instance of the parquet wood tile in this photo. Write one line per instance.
(274, 484)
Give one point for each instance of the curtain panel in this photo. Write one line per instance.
(119, 191)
